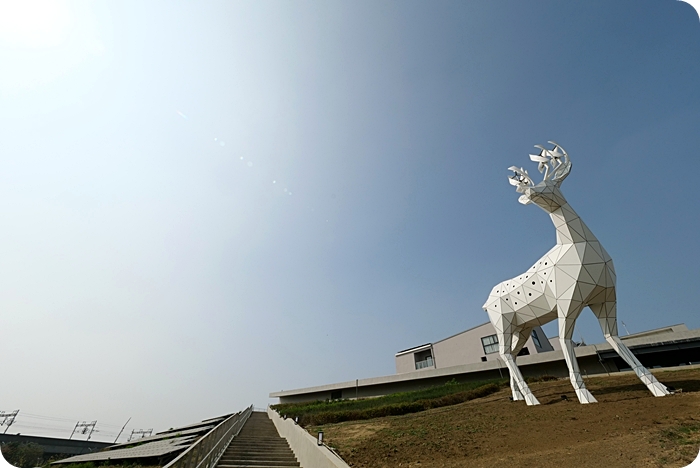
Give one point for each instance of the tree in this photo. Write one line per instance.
(23, 455)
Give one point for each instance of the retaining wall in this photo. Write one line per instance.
(304, 445)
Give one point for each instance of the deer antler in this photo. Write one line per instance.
(521, 179)
(554, 163)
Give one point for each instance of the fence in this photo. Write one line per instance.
(207, 451)
(423, 364)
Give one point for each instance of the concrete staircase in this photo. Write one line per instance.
(258, 445)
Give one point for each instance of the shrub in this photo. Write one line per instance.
(336, 413)
(541, 378)
(23, 455)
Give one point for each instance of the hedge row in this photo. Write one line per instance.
(396, 409)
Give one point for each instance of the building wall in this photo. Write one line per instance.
(463, 348)
(405, 363)
(664, 347)
(419, 380)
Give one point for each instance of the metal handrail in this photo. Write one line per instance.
(206, 452)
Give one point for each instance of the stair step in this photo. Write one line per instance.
(258, 445)
(247, 464)
(259, 441)
(258, 454)
(259, 463)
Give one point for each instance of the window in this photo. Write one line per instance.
(424, 359)
(483, 358)
(536, 339)
(336, 395)
(490, 344)
(524, 352)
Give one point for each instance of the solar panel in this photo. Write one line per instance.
(151, 449)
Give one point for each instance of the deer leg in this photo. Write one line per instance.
(519, 341)
(566, 332)
(517, 396)
(503, 323)
(520, 389)
(520, 381)
(607, 317)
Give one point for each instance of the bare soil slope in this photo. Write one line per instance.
(627, 428)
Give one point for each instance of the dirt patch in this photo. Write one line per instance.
(627, 428)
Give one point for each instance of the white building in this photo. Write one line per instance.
(478, 344)
(473, 355)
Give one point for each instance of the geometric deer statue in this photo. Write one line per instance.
(577, 272)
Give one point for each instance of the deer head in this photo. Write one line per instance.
(556, 166)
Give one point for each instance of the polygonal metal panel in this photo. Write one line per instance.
(577, 272)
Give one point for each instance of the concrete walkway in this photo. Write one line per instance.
(258, 445)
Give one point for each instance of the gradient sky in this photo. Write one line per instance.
(204, 202)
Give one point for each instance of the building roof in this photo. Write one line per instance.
(679, 327)
(415, 349)
(156, 448)
(427, 345)
(164, 443)
(465, 331)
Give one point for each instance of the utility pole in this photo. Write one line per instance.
(142, 432)
(120, 432)
(85, 426)
(8, 419)
(623, 324)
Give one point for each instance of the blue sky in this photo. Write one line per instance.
(204, 202)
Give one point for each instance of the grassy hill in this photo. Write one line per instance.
(334, 411)
(627, 428)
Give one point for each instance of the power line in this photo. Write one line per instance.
(8, 419)
(42, 428)
(36, 422)
(52, 418)
(142, 432)
(65, 429)
(47, 417)
(85, 426)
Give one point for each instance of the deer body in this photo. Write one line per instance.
(577, 272)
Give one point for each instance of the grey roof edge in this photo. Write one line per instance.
(462, 332)
(406, 376)
(440, 341)
(547, 356)
(164, 436)
(207, 422)
(643, 334)
(414, 349)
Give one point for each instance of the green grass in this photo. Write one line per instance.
(325, 412)
(683, 434)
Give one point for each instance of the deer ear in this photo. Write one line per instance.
(524, 200)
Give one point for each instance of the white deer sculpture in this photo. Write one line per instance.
(577, 272)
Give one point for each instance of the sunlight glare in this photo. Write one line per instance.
(34, 23)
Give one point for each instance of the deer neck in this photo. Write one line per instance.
(570, 227)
